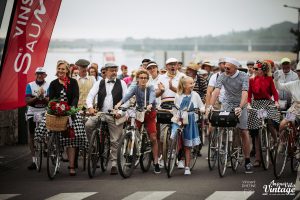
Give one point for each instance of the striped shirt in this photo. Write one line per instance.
(233, 85)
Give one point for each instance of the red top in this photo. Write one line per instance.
(262, 87)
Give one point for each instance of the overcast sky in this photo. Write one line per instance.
(167, 18)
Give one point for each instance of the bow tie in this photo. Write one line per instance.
(111, 81)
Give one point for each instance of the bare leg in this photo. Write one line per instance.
(246, 142)
(154, 147)
(187, 156)
(71, 157)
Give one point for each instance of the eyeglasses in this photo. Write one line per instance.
(255, 68)
(143, 78)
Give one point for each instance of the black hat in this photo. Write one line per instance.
(82, 63)
(146, 60)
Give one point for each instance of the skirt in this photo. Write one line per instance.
(253, 121)
(79, 140)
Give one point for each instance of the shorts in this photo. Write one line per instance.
(243, 120)
(150, 122)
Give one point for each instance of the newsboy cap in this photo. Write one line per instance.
(82, 63)
(110, 65)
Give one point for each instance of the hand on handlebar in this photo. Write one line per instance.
(238, 112)
(208, 110)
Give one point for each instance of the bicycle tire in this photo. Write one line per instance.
(223, 152)
(93, 154)
(166, 145)
(53, 155)
(281, 154)
(38, 154)
(146, 153)
(264, 147)
(212, 149)
(126, 166)
(194, 156)
(172, 155)
(104, 149)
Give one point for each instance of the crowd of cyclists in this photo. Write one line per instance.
(180, 90)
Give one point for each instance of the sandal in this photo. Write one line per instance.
(72, 173)
(257, 163)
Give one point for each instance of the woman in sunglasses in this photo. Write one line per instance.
(260, 93)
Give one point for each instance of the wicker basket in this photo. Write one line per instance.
(55, 123)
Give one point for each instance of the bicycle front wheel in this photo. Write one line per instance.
(53, 155)
(194, 156)
(126, 155)
(264, 147)
(104, 149)
(166, 146)
(146, 153)
(172, 155)
(223, 152)
(281, 154)
(94, 154)
(212, 149)
(38, 154)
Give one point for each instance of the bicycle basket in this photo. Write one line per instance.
(55, 123)
(164, 117)
(223, 119)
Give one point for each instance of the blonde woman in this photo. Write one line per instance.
(260, 93)
(188, 99)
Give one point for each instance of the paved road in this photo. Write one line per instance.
(16, 182)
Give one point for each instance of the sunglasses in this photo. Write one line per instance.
(143, 78)
(255, 68)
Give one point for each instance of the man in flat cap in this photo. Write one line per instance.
(250, 65)
(236, 84)
(110, 91)
(85, 82)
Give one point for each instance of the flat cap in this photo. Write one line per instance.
(110, 65)
(82, 63)
(250, 62)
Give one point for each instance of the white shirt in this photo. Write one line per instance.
(108, 101)
(292, 87)
(164, 79)
(155, 85)
(83, 79)
(213, 83)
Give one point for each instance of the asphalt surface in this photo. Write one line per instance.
(17, 182)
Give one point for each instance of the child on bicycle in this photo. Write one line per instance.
(150, 116)
(187, 99)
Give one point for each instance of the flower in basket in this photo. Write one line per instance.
(61, 108)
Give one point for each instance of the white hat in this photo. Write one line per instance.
(233, 61)
(171, 60)
(298, 66)
(40, 70)
(221, 60)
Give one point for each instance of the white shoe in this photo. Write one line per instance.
(180, 164)
(161, 164)
(187, 171)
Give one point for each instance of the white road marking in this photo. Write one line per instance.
(230, 195)
(72, 196)
(157, 195)
(7, 196)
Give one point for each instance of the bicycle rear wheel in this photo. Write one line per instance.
(172, 155)
(223, 152)
(38, 154)
(104, 149)
(53, 155)
(166, 146)
(264, 147)
(146, 152)
(281, 154)
(94, 154)
(212, 149)
(126, 158)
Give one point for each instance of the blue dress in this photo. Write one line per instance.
(190, 132)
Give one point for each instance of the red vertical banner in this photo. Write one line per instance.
(26, 48)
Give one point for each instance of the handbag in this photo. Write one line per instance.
(140, 115)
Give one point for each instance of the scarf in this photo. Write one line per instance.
(66, 82)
